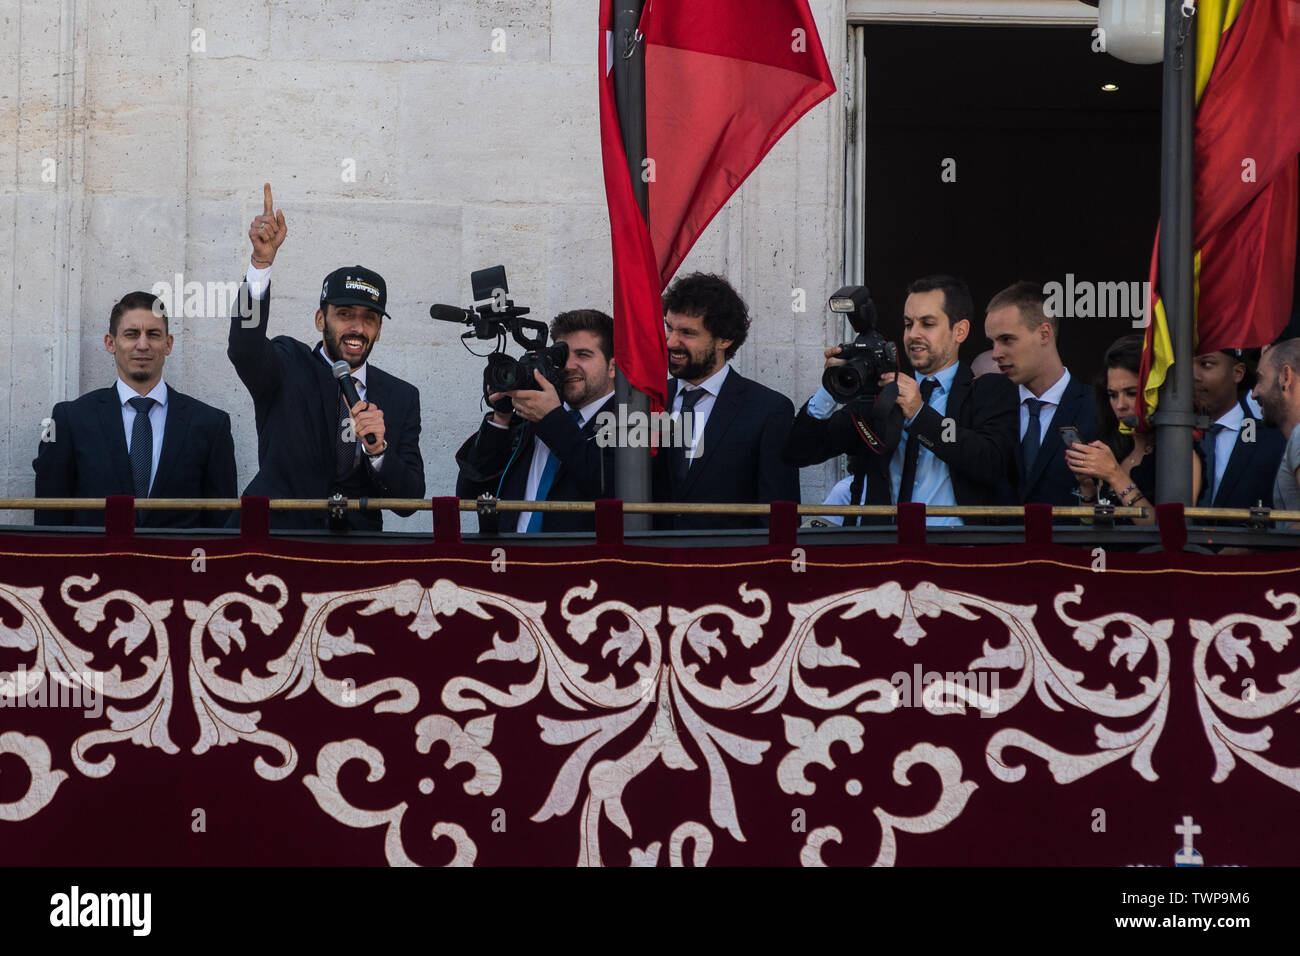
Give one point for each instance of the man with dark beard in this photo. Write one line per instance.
(544, 450)
(310, 444)
(738, 426)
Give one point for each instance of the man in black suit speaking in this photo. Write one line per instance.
(544, 450)
(139, 436)
(940, 436)
(738, 425)
(310, 443)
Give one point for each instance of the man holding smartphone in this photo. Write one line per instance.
(1055, 407)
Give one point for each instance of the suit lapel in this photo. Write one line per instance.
(588, 431)
(1240, 459)
(329, 401)
(1050, 445)
(725, 406)
(179, 410)
(110, 424)
(961, 383)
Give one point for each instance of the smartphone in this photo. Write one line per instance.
(1069, 435)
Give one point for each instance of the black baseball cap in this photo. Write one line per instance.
(355, 285)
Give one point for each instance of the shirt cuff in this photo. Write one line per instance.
(821, 404)
(258, 280)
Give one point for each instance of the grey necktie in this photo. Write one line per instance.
(141, 445)
(347, 453)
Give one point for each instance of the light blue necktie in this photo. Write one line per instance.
(548, 479)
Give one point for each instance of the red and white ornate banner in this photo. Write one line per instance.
(169, 702)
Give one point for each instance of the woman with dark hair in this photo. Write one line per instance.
(1121, 468)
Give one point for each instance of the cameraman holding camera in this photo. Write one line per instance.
(544, 450)
(939, 436)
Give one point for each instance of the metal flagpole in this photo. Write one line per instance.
(1174, 418)
(631, 465)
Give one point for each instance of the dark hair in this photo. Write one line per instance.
(711, 297)
(1029, 298)
(136, 300)
(1251, 359)
(957, 302)
(1125, 353)
(586, 320)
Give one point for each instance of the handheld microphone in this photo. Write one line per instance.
(343, 372)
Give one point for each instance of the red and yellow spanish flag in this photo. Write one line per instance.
(1247, 182)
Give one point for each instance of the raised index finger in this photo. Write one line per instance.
(267, 206)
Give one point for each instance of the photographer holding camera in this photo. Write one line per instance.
(312, 441)
(939, 436)
(545, 450)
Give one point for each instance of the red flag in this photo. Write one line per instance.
(724, 81)
(1247, 181)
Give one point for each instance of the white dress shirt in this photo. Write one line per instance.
(712, 387)
(1051, 400)
(157, 418)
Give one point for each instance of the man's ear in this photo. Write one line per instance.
(109, 345)
(320, 321)
(961, 330)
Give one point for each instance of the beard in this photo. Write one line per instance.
(1270, 406)
(693, 369)
(334, 349)
(580, 392)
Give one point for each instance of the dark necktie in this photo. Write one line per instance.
(913, 449)
(548, 478)
(347, 453)
(682, 464)
(141, 445)
(1207, 448)
(1033, 439)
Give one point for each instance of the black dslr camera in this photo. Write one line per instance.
(492, 316)
(867, 357)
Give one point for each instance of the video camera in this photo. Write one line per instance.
(867, 357)
(492, 316)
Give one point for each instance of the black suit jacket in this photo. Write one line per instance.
(1248, 478)
(296, 401)
(739, 458)
(981, 459)
(88, 459)
(1051, 481)
(585, 472)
